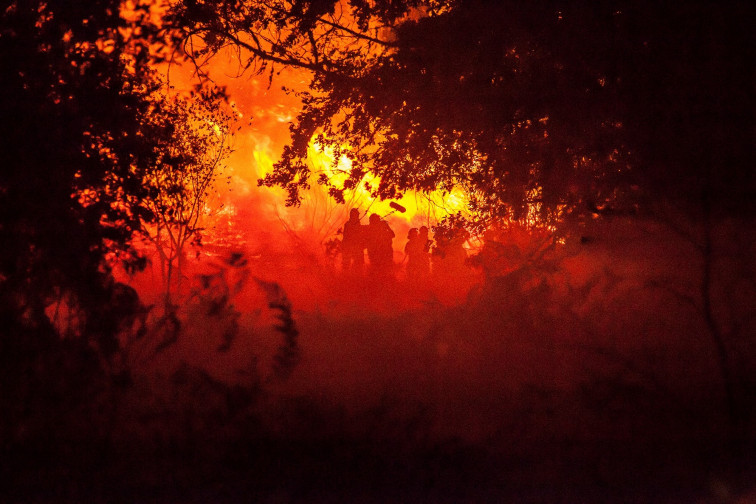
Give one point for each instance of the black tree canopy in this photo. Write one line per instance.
(78, 107)
(567, 107)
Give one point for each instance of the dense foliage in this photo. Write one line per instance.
(71, 103)
(93, 152)
(564, 107)
(83, 129)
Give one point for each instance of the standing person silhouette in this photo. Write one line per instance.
(353, 243)
(379, 238)
(411, 249)
(416, 250)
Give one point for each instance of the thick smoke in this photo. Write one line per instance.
(613, 367)
(592, 360)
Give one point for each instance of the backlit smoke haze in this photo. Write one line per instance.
(609, 361)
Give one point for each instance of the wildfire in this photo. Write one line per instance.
(420, 209)
(319, 217)
(263, 112)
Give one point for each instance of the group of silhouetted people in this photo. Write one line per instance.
(377, 237)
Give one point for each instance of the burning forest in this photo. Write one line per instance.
(377, 251)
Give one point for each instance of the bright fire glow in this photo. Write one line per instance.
(319, 217)
(421, 209)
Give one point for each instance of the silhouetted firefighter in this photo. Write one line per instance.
(378, 240)
(416, 250)
(353, 243)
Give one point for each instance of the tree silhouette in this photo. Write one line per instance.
(566, 108)
(72, 97)
(72, 94)
(191, 136)
(79, 100)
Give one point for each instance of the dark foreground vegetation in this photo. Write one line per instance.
(611, 360)
(587, 375)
